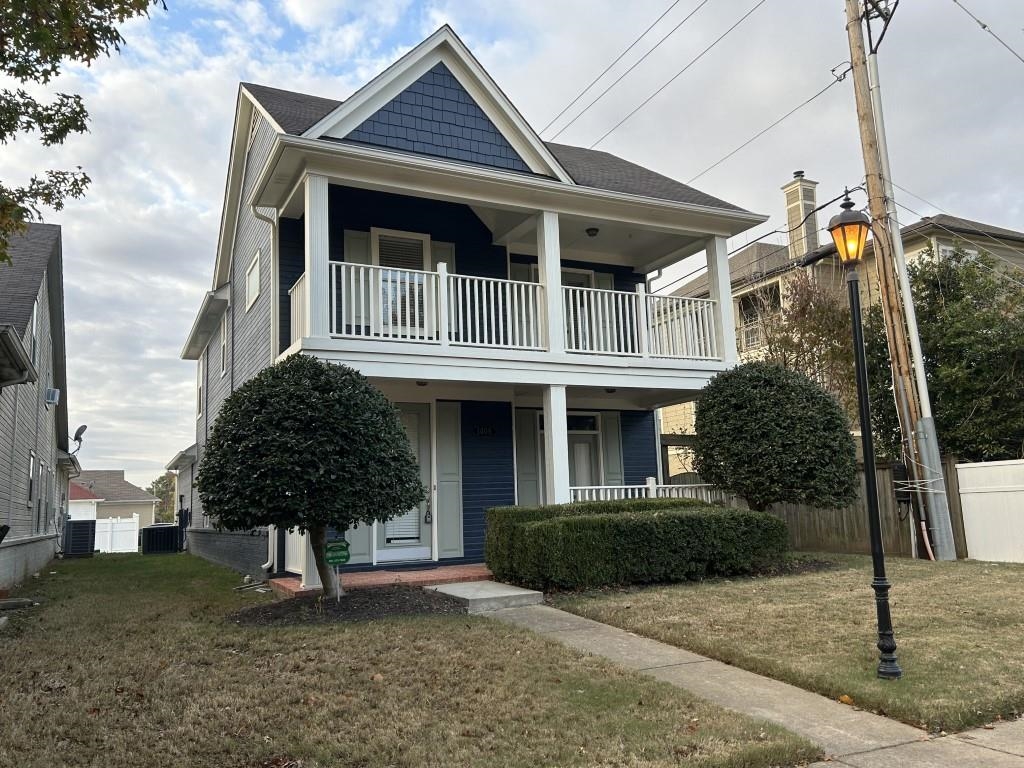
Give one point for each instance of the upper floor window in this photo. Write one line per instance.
(252, 282)
(31, 477)
(199, 384)
(224, 344)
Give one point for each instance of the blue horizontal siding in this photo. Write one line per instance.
(358, 209)
(624, 276)
(488, 469)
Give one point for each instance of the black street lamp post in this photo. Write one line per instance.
(849, 231)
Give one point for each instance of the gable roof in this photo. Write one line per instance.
(110, 485)
(21, 279)
(966, 227)
(296, 113)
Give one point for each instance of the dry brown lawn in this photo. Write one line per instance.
(959, 629)
(130, 662)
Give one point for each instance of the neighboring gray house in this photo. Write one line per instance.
(490, 284)
(116, 497)
(34, 458)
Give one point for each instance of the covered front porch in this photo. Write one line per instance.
(489, 445)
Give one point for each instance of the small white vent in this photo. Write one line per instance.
(52, 396)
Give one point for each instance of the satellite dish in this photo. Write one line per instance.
(79, 432)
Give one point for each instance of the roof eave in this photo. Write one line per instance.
(731, 222)
(215, 303)
(14, 357)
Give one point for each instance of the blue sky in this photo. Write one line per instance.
(139, 248)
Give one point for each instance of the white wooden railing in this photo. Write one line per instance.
(602, 322)
(487, 312)
(297, 300)
(682, 327)
(383, 303)
(650, 490)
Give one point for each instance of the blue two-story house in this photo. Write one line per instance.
(492, 285)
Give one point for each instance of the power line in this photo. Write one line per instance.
(968, 224)
(988, 29)
(769, 234)
(609, 67)
(838, 79)
(672, 79)
(631, 68)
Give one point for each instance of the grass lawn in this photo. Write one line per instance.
(130, 662)
(959, 630)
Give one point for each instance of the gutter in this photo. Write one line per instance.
(15, 352)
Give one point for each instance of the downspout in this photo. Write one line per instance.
(275, 330)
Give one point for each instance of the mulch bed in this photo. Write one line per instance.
(355, 605)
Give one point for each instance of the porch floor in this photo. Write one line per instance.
(290, 586)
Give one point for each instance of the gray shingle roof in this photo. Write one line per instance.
(602, 170)
(110, 485)
(21, 279)
(298, 112)
(965, 227)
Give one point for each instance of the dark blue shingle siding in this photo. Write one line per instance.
(488, 478)
(437, 116)
(639, 447)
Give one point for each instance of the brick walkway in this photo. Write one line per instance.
(289, 586)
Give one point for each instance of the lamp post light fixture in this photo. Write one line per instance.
(849, 231)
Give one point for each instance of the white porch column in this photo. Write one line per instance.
(317, 257)
(310, 575)
(549, 263)
(721, 293)
(556, 446)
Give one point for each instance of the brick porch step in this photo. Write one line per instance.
(290, 586)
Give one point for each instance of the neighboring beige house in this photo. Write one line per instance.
(102, 493)
(759, 275)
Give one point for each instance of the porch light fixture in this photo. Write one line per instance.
(592, 231)
(849, 231)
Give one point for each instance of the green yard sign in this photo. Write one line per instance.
(337, 552)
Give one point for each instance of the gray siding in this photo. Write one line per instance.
(28, 427)
(248, 329)
(242, 551)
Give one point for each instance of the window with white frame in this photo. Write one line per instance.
(199, 384)
(252, 281)
(224, 343)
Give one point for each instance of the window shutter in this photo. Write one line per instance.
(442, 252)
(400, 252)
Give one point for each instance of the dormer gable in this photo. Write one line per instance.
(438, 101)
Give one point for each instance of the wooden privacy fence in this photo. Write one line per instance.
(846, 530)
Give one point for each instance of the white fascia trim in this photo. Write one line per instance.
(213, 306)
(518, 183)
(233, 183)
(444, 46)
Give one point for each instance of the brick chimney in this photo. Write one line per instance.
(801, 199)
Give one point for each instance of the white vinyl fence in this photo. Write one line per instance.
(992, 499)
(117, 534)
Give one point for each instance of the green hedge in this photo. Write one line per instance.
(644, 547)
(504, 524)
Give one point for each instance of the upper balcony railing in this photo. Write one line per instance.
(408, 305)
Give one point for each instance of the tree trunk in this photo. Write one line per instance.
(318, 540)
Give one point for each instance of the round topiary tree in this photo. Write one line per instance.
(770, 435)
(309, 445)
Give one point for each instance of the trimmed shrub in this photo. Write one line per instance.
(588, 551)
(501, 542)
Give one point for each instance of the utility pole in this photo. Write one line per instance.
(909, 382)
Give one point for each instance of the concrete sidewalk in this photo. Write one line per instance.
(847, 736)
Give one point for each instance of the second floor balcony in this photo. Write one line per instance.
(388, 304)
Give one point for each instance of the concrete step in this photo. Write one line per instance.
(485, 596)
